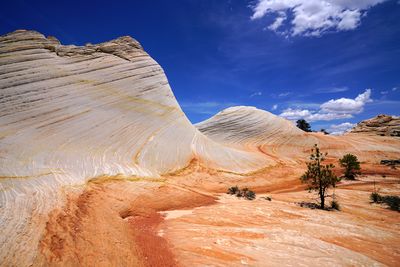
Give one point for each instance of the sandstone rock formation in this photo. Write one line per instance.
(93, 135)
(250, 128)
(383, 125)
(247, 126)
(71, 113)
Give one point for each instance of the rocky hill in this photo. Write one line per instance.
(94, 148)
(71, 113)
(383, 125)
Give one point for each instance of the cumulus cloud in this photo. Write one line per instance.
(347, 105)
(313, 17)
(274, 107)
(338, 129)
(342, 108)
(295, 114)
(278, 22)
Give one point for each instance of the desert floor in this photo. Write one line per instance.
(187, 219)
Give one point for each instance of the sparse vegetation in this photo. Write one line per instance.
(324, 131)
(267, 198)
(245, 192)
(233, 190)
(304, 125)
(335, 205)
(352, 166)
(318, 176)
(393, 202)
(249, 195)
(309, 205)
(375, 197)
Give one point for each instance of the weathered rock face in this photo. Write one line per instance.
(247, 126)
(250, 128)
(383, 125)
(71, 113)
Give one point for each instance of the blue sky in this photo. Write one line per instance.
(329, 61)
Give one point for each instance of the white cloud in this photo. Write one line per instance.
(313, 17)
(278, 22)
(338, 129)
(256, 94)
(332, 90)
(394, 89)
(295, 114)
(384, 92)
(347, 105)
(284, 94)
(342, 108)
(274, 107)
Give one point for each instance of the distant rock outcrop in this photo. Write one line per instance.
(383, 125)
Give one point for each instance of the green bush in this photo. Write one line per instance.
(233, 190)
(335, 205)
(392, 201)
(250, 195)
(351, 166)
(375, 197)
(245, 192)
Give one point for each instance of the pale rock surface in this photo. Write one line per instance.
(71, 113)
(250, 128)
(247, 126)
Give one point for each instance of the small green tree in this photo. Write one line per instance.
(351, 165)
(318, 176)
(304, 125)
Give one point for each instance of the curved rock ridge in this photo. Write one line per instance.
(383, 125)
(71, 113)
(251, 128)
(247, 125)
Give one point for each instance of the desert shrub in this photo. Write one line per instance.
(393, 202)
(245, 192)
(375, 197)
(249, 195)
(335, 205)
(267, 198)
(351, 166)
(309, 205)
(233, 190)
